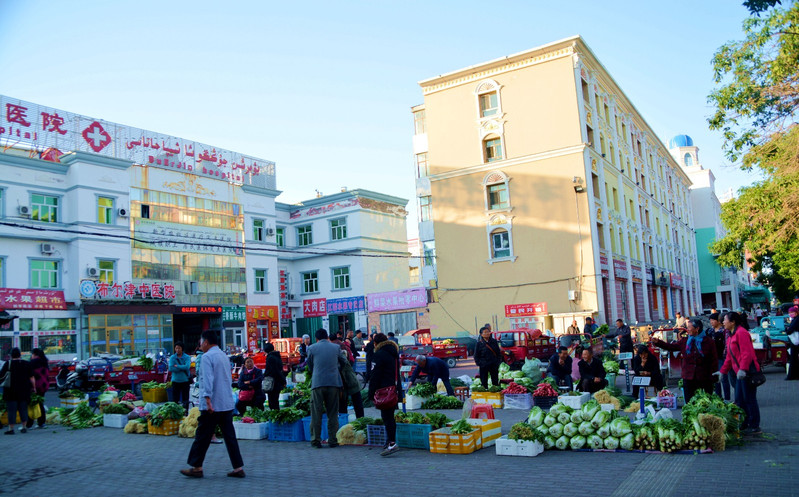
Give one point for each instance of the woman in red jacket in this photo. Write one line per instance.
(698, 357)
(741, 359)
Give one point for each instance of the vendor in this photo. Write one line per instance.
(646, 364)
(560, 368)
(435, 369)
(592, 373)
(698, 357)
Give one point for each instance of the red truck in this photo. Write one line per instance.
(423, 344)
(524, 343)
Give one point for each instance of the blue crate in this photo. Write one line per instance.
(411, 436)
(376, 435)
(306, 425)
(286, 432)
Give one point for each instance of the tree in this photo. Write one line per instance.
(756, 110)
(769, 275)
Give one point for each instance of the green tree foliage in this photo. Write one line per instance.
(756, 109)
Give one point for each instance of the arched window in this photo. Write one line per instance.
(499, 230)
(500, 244)
(689, 161)
(492, 148)
(488, 101)
(497, 195)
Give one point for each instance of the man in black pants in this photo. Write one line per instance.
(592, 373)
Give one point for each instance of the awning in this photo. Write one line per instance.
(755, 294)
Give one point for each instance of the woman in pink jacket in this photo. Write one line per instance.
(741, 359)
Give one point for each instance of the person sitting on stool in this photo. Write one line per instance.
(560, 368)
(592, 373)
(435, 369)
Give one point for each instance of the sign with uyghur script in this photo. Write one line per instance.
(676, 280)
(398, 300)
(234, 313)
(45, 127)
(26, 298)
(161, 235)
(101, 290)
(314, 308)
(620, 269)
(531, 309)
(348, 304)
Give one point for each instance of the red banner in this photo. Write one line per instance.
(314, 308)
(532, 309)
(24, 298)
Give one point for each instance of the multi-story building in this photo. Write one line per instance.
(545, 196)
(333, 252)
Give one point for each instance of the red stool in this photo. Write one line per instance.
(482, 411)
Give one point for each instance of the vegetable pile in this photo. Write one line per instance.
(524, 431)
(515, 389)
(462, 427)
(153, 385)
(436, 420)
(422, 390)
(188, 427)
(611, 367)
(253, 415)
(285, 415)
(81, 417)
(168, 411)
(545, 390)
(442, 402)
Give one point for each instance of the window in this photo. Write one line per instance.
(105, 210)
(44, 273)
(2, 202)
(689, 161)
(280, 237)
(584, 86)
(425, 208)
(304, 235)
(497, 196)
(492, 148)
(419, 122)
(106, 268)
(44, 208)
(260, 280)
(500, 244)
(341, 278)
(600, 235)
(615, 200)
(145, 211)
(429, 249)
(258, 230)
(310, 282)
(589, 136)
(338, 229)
(421, 165)
(489, 105)
(2, 272)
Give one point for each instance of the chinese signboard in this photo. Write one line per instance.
(100, 290)
(45, 127)
(161, 235)
(620, 269)
(349, 304)
(23, 298)
(395, 301)
(234, 313)
(314, 308)
(285, 313)
(198, 309)
(532, 309)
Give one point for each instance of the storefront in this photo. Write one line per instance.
(398, 312)
(234, 318)
(192, 320)
(262, 325)
(43, 321)
(127, 329)
(346, 314)
(531, 316)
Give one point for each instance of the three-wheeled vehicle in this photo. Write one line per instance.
(420, 342)
(524, 343)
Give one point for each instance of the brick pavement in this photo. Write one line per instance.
(105, 461)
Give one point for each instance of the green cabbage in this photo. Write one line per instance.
(536, 417)
(577, 442)
(550, 419)
(549, 442)
(595, 442)
(543, 430)
(627, 441)
(603, 431)
(517, 374)
(590, 409)
(600, 418)
(556, 430)
(562, 443)
(611, 366)
(564, 418)
(558, 408)
(577, 417)
(570, 430)
(585, 428)
(612, 443)
(504, 368)
(620, 427)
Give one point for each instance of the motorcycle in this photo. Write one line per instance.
(87, 375)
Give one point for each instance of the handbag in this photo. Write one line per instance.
(386, 397)
(246, 395)
(268, 384)
(753, 378)
(7, 378)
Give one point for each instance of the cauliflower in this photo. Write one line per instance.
(346, 435)
(633, 407)
(135, 427)
(360, 437)
(188, 427)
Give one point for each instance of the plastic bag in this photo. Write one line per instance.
(440, 388)
(532, 369)
(467, 408)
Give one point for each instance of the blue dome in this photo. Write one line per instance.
(681, 141)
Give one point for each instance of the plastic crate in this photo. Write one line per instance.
(526, 448)
(70, 402)
(251, 431)
(376, 435)
(115, 420)
(494, 399)
(306, 425)
(154, 395)
(523, 401)
(169, 428)
(574, 401)
(545, 402)
(411, 436)
(443, 441)
(286, 432)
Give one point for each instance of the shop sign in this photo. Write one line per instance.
(100, 290)
(261, 312)
(45, 127)
(198, 309)
(638, 274)
(663, 278)
(234, 313)
(398, 300)
(532, 309)
(285, 313)
(161, 235)
(348, 304)
(620, 269)
(603, 264)
(314, 308)
(25, 298)
(676, 280)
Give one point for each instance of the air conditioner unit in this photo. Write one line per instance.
(93, 272)
(270, 231)
(122, 212)
(47, 248)
(24, 210)
(574, 295)
(291, 296)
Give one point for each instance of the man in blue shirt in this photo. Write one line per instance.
(216, 408)
(435, 369)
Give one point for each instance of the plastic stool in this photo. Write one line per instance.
(482, 411)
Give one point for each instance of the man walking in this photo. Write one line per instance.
(324, 361)
(216, 409)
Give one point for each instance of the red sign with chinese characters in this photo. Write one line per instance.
(532, 309)
(314, 308)
(24, 298)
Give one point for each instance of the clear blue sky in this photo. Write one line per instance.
(324, 89)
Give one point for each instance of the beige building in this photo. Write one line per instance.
(544, 196)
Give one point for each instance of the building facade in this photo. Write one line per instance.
(544, 196)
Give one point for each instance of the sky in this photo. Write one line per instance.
(324, 89)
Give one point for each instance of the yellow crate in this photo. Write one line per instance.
(154, 395)
(443, 441)
(490, 430)
(70, 402)
(170, 427)
(494, 399)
